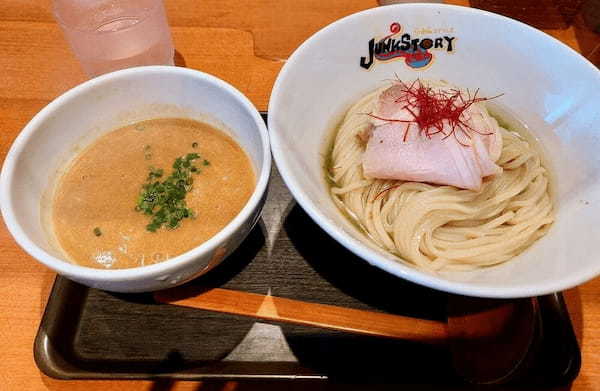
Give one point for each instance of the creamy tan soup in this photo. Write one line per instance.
(94, 212)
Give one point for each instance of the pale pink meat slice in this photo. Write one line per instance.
(440, 160)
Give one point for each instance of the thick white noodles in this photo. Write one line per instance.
(442, 227)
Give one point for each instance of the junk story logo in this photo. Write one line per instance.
(416, 51)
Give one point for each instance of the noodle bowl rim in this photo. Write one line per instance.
(400, 268)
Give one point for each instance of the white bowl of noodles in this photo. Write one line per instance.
(548, 95)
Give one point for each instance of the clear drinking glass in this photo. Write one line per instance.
(107, 35)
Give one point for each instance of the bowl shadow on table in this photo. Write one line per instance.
(323, 271)
(178, 59)
(102, 332)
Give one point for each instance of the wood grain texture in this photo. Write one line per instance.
(36, 65)
(538, 13)
(310, 314)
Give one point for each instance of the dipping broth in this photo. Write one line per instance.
(94, 214)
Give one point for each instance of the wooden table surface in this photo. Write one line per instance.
(242, 42)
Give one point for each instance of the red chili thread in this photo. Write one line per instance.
(382, 192)
(430, 108)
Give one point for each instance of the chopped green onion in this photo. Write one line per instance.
(165, 201)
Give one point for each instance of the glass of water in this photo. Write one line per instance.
(107, 35)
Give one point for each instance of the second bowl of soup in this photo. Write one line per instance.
(138, 180)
